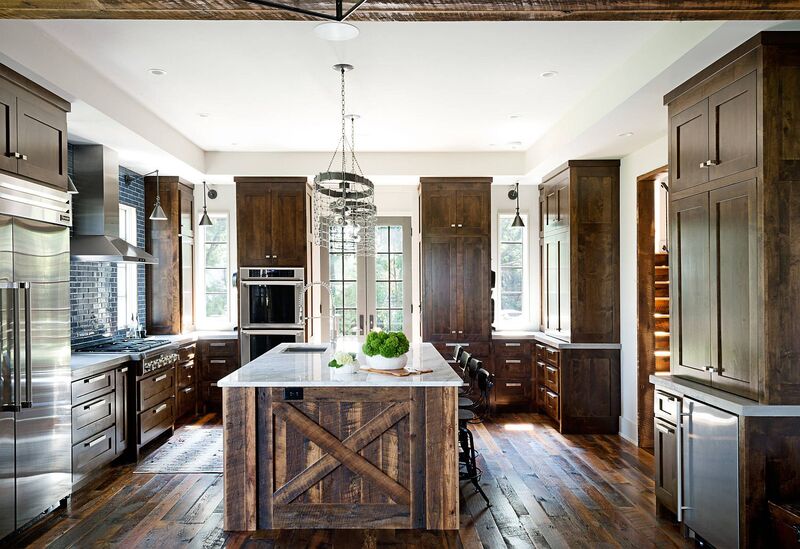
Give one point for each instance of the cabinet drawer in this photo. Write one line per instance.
(540, 372)
(666, 457)
(512, 348)
(90, 387)
(186, 373)
(513, 392)
(156, 420)
(667, 407)
(156, 388)
(552, 356)
(92, 417)
(541, 392)
(93, 452)
(186, 353)
(211, 393)
(187, 401)
(479, 350)
(217, 368)
(227, 347)
(508, 367)
(551, 407)
(552, 378)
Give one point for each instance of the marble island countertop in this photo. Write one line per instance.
(278, 368)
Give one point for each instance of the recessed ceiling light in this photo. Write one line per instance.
(203, 114)
(548, 74)
(515, 144)
(335, 31)
(157, 72)
(625, 134)
(515, 116)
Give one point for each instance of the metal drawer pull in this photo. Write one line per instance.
(216, 344)
(216, 361)
(512, 361)
(460, 225)
(513, 344)
(188, 389)
(453, 225)
(95, 379)
(94, 442)
(513, 384)
(213, 383)
(461, 331)
(456, 344)
(94, 404)
(160, 378)
(189, 366)
(123, 370)
(160, 409)
(551, 369)
(665, 429)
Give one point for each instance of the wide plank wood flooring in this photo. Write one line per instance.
(547, 490)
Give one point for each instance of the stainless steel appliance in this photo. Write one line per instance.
(35, 421)
(255, 343)
(269, 298)
(710, 497)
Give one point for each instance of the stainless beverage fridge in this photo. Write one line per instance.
(35, 421)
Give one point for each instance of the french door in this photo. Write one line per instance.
(372, 292)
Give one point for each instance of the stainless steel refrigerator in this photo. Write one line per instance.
(35, 421)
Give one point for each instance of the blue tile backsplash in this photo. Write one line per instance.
(93, 285)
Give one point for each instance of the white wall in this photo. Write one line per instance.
(644, 160)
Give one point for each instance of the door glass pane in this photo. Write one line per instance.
(389, 310)
(343, 277)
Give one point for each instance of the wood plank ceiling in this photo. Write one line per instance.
(410, 10)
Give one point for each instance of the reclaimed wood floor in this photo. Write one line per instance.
(547, 490)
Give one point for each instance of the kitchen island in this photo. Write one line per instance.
(306, 446)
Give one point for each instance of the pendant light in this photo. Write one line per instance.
(205, 221)
(158, 212)
(513, 194)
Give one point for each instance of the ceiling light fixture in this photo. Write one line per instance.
(344, 201)
(339, 16)
(158, 213)
(205, 221)
(513, 194)
(625, 134)
(157, 72)
(549, 74)
(203, 114)
(515, 144)
(336, 31)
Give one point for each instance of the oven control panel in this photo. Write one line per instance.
(158, 362)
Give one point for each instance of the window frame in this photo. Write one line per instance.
(127, 273)
(214, 322)
(524, 319)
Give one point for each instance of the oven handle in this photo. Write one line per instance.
(271, 332)
(272, 282)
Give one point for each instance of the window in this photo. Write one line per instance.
(343, 279)
(389, 304)
(127, 290)
(513, 271)
(216, 253)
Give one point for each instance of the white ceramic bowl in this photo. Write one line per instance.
(378, 362)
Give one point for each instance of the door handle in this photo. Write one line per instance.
(28, 343)
(361, 324)
(371, 322)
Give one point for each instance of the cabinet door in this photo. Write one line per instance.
(254, 224)
(555, 203)
(688, 147)
(473, 288)
(187, 284)
(564, 285)
(734, 287)
(288, 225)
(733, 139)
(473, 211)
(690, 320)
(122, 397)
(440, 299)
(666, 454)
(439, 211)
(8, 128)
(550, 283)
(42, 139)
(187, 211)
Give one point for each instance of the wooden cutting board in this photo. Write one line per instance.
(402, 372)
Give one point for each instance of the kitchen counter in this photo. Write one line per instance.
(284, 369)
(290, 422)
(721, 399)
(541, 337)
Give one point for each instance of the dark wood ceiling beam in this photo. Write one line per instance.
(411, 10)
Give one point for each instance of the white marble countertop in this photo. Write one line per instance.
(720, 399)
(279, 369)
(542, 337)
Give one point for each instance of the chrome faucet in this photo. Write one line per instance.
(332, 316)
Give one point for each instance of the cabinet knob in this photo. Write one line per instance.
(461, 331)
(453, 331)
(460, 225)
(453, 225)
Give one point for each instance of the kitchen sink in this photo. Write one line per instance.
(306, 349)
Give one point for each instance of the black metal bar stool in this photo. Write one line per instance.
(467, 454)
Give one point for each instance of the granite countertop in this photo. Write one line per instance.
(721, 399)
(279, 369)
(542, 337)
(86, 364)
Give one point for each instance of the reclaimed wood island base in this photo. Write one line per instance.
(306, 448)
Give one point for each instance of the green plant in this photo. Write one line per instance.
(386, 344)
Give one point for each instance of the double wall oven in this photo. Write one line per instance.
(269, 311)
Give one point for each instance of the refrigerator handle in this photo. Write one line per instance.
(13, 405)
(28, 402)
(15, 346)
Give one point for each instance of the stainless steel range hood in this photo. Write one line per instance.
(96, 209)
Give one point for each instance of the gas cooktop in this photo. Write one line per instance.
(126, 346)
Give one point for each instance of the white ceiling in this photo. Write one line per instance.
(269, 86)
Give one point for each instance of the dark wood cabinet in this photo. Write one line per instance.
(666, 458)
(580, 252)
(271, 221)
(123, 392)
(456, 216)
(187, 381)
(514, 375)
(33, 131)
(688, 137)
(216, 358)
(170, 284)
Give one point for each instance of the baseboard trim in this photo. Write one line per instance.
(628, 430)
